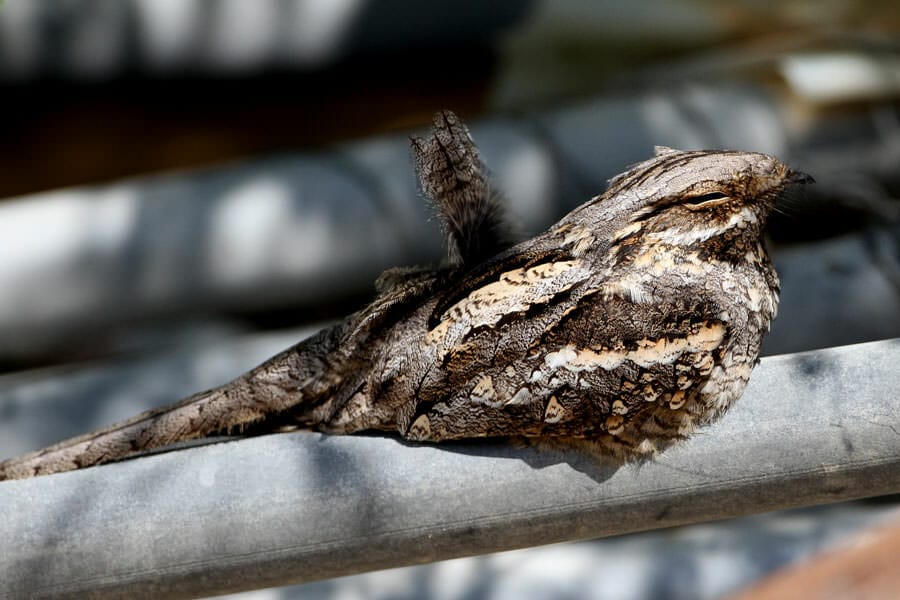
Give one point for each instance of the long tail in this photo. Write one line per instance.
(285, 382)
(188, 419)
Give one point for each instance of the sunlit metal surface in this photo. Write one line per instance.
(811, 428)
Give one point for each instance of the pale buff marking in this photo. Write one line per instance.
(626, 231)
(615, 424)
(684, 238)
(484, 390)
(554, 412)
(421, 429)
(619, 408)
(630, 289)
(439, 332)
(579, 238)
(566, 313)
(516, 291)
(650, 393)
(657, 260)
(646, 448)
(677, 400)
(755, 299)
(523, 396)
(648, 353)
(649, 266)
(654, 262)
(510, 371)
(704, 364)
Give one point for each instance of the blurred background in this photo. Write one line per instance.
(189, 186)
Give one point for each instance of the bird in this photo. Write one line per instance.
(620, 330)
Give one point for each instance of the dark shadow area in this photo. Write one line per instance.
(513, 449)
(207, 104)
(494, 448)
(811, 365)
(179, 123)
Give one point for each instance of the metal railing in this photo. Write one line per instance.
(812, 428)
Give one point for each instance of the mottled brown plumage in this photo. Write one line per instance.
(627, 324)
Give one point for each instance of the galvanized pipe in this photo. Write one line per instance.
(812, 428)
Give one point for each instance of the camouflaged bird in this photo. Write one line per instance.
(621, 329)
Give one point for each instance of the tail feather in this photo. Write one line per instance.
(196, 416)
(291, 381)
(452, 175)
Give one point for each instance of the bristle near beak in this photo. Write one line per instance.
(798, 177)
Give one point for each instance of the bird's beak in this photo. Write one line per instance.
(798, 177)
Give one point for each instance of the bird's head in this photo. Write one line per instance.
(698, 198)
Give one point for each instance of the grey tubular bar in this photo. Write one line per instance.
(812, 428)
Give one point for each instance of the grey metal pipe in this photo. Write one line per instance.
(811, 428)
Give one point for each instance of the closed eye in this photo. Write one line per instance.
(705, 199)
(691, 203)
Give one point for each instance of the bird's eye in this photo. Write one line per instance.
(705, 199)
